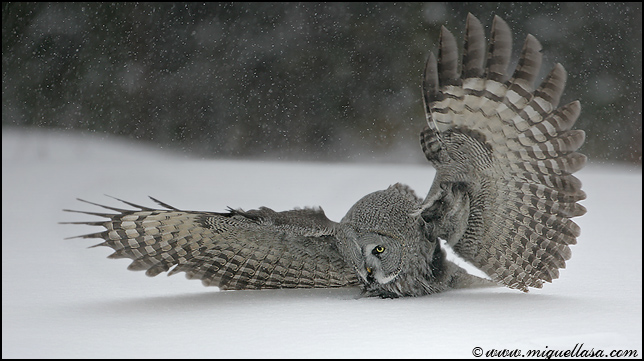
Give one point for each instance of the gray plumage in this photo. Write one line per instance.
(502, 197)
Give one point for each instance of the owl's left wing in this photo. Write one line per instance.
(236, 250)
(504, 191)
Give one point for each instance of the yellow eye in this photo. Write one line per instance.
(379, 249)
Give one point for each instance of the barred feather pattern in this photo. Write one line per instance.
(235, 250)
(511, 147)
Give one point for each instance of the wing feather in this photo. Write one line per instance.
(234, 250)
(511, 149)
(474, 48)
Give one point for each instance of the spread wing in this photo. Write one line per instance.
(504, 191)
(233, 250)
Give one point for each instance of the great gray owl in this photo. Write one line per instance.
(502, 197)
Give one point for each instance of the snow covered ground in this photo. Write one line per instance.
(60, 299)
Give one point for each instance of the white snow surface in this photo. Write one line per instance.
(61, 299)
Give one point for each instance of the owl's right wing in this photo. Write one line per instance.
(237, 250)
(504, 191)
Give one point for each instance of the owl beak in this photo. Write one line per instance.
(370, 277)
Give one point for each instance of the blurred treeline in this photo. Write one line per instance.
(310, 81)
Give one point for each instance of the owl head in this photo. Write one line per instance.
(381, 234)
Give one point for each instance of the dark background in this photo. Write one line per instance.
(328, 82)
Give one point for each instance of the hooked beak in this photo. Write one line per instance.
(370, 278)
